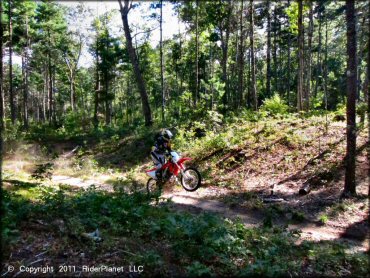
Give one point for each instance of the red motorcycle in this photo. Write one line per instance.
(190, 178)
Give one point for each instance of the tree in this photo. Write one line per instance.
(10, 46)
(1, 86)
(307, 91)
(125, 9)
(326, 63)
(196, 52)
(275, 48)
(268, 51)
(52, 28)
(289, 62)
(23, 32)
(1, 102)
(72, 48)
(97, 85)
(253, 67)
(318, 64)
(161, 58)
(241, 58)
(300, 57)
(368, 94)
(350, 175)
(108, 54)
(219, 15)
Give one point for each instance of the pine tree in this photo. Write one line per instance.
(125, 9)
(253, 63)
(350, 175)
(300, 57)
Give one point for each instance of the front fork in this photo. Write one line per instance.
(182, 171)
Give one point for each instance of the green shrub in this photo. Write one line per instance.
(361, 111)
(341, 110)
(274, 106)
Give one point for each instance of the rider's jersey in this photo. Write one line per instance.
(161, 145)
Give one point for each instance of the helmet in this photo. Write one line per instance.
(167, 134)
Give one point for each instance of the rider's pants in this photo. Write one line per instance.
(158, 160)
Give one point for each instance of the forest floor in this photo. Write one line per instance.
(256, 181)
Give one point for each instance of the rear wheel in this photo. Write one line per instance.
(153, 188)
(191, 179)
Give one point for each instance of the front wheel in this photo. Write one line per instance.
(153, 188)
(191, 179)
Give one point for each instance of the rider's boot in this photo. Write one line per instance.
(158, 174)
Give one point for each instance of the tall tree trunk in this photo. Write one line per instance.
(307, 91)
(106, 84)
(326, 63)
(300, 57)
(359, 59)
(1, 88)
(288, 75)
(248, 99)
(181, 68)
(274, 51)
(280, 87)
(1, 104)
(25, 79)
(107, 99)
(268, 54)
(50, 90)
(319, 65)
(234, 72)
(253, 66)
(50, 75)
(71, 88)
(44, 95)
(240, 60)
(211, 76)
(195, 100)
(38, 106)
(54, 115)
(131, 51)
(25, 93)
(225, 35)
(161, 62)
(71, 76)
(97, 87)
(368, 98)
(350, 176)
(11, 91)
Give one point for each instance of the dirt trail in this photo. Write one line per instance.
(80, 183)
(188, 201)
(194, 202)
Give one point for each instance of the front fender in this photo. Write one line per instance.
(183, 159)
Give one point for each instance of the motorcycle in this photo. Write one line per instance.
(174, 167)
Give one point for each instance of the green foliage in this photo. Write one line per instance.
(298, 216)
(43, 171)
(12, 132)
(206, 245)
(16, 209)
(196, 269)
(274, 106)
(341, 109)
(323, 219)
(361, 110)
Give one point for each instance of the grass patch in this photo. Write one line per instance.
(203, 244)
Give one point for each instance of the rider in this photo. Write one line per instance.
(162, 144)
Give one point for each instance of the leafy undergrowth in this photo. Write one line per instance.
(242, 159)
(49, 224)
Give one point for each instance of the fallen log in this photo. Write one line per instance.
(273, 200)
